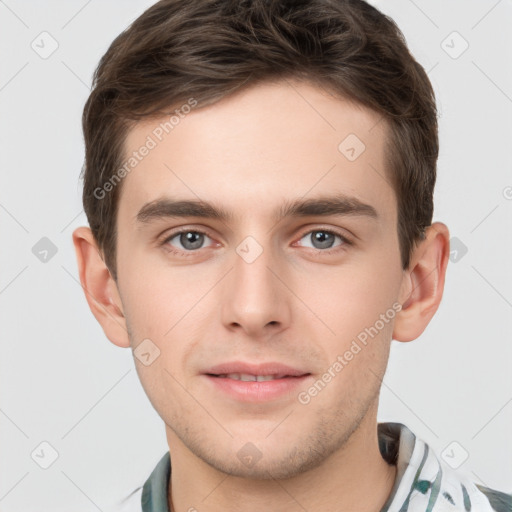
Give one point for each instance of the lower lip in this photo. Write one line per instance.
(254, 391)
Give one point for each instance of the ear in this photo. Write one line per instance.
(423, 283)
(100, 288)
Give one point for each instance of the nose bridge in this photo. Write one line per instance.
(254, 296)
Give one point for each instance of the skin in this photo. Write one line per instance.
(295, 304)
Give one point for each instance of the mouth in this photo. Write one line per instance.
(255, 383)
(247, 377)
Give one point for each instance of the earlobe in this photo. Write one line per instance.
(100, 288)
(423, 284)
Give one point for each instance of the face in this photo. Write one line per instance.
(266, 289)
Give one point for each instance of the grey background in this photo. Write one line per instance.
(62, 382)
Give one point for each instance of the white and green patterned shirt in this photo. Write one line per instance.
(423, 482)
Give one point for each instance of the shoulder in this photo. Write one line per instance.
(500, 501)
(425, 481)
(457, 487)
(131, 503)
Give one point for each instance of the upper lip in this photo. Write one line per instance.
(267, 368)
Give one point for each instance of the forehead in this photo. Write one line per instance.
(271, 141)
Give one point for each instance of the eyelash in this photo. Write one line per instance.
(346, 241)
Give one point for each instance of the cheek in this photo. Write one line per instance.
(156, 297)
(357, 342)
(166, 306)
(351, 298)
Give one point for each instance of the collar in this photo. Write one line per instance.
(422, 483)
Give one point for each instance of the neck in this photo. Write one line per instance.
(355, 477)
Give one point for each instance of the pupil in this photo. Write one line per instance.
(324, 238)
(187, 240)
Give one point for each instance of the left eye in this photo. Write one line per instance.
(323, 239)
(190, 240)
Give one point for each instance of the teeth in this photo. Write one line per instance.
(250, 378)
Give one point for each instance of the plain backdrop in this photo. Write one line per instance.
(65, 385)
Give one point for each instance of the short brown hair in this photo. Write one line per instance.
(208, 49)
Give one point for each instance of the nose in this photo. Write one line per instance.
(255, 297)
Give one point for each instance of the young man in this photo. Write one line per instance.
(259, 184)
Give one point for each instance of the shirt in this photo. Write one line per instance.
(423, 483)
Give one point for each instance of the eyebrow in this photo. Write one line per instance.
(322, 206)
